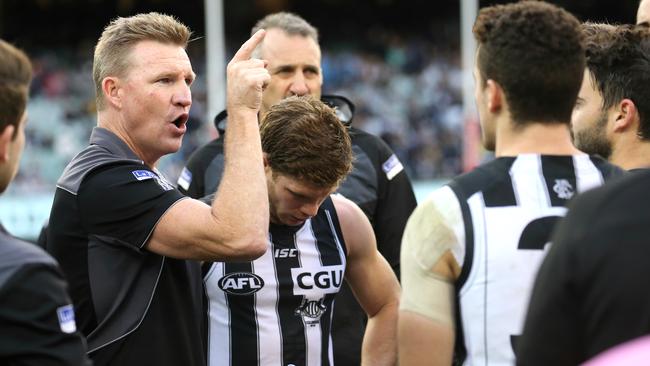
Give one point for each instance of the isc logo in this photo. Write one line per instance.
(241, 283)
(286, 253)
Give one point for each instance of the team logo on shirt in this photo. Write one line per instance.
(66, 319)
(313, 286)
(311, 310)
(240, 283)
(563, 189)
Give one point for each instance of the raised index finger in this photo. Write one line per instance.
(246, 50)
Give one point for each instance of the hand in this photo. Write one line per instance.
(246, 77)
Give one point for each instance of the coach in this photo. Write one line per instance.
(121, 232)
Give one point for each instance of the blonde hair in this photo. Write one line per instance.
(121, 34)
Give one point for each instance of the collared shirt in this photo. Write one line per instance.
(135, 307)
(36, 311)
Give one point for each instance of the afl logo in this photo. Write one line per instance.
(241, 283)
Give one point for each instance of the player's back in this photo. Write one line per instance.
(509, 208)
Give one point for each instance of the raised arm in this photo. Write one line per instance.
(373, 282)
(236, 225)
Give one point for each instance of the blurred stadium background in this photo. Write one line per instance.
(399, 61)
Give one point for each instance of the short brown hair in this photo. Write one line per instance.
(534, 51)
(618, 60)
(304, 139)
(121, 34)
(15, 77)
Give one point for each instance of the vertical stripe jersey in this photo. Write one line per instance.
(277, 309)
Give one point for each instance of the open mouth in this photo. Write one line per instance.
(181, 120)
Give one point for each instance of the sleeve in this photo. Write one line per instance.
(551, 330)
(37, 324)
(41, 241)
(204, 170)
(190, 181)
(435, 228)
(125, 202)
(395, 203)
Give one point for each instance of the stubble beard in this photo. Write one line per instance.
(593, 141)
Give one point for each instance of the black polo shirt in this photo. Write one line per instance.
(591, 292)
(37, 323)
(134, 306)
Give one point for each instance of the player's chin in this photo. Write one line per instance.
(290, 220)
(171, 145)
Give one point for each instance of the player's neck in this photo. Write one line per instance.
(631, 154)
(534, 138)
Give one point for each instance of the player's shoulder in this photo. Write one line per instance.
(15, 253)
(379, 153)
(607, 169)
(483, 177)
(346, 210)
(123, 178)
(367, 141)
(618, 196)
(87, 162)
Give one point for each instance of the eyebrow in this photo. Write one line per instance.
(291, 67)
(296, 193)
(173, 75)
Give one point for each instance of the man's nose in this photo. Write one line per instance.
(310, 209)
(299, 85)
(183, 96)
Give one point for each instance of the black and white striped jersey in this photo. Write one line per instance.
(277, 309)
(502, 215)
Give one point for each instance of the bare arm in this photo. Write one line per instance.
(236, 225)
(373, 283)
(429, 271)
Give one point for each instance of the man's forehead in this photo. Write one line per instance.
(152, 53)
(280, 46)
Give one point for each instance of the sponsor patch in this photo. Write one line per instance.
(241, 283)
(66, 319)
(313, 284)
(185, 179)
(392, 167)
(143, 174)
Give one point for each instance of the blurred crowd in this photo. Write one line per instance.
(407, 91)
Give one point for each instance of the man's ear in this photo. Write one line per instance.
(111, 88)
(627, 115)
(6, 138)
(265, 157)
(494, 94)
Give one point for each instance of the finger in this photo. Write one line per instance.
(251, 64)
(246, 50)
(258, 78)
